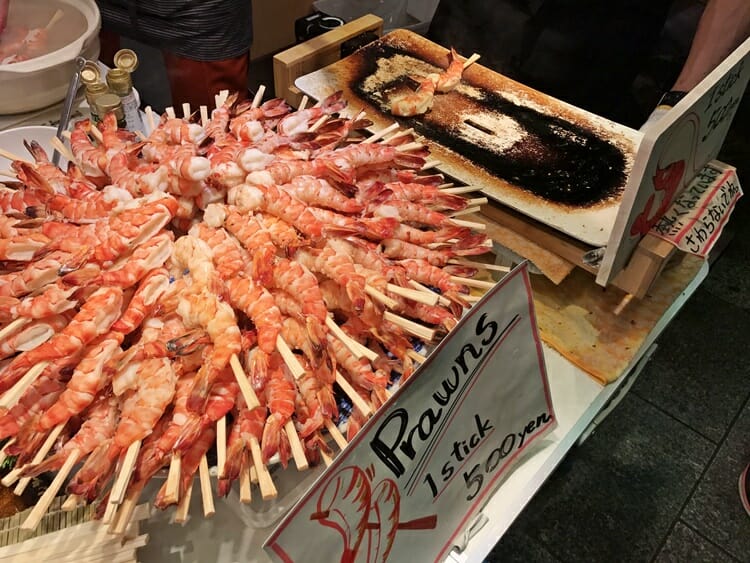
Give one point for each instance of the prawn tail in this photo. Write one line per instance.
(190, 432)
(473, 244)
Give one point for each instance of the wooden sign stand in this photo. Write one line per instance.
(644, 267)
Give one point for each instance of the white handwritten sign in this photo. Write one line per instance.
(412, 478)
(698, 215)
(672, 152)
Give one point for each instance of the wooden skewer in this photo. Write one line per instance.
(472, 298)
(97, 135)
(444, 301)
(141, 136)
(416, 356)
(13, 326)
(60, 147)
(289, 359)
(217, 101)
(204, 115)
(223, 94)
(328, 460)
(253, 475)
(481, 284)
(399, 134)
(303, 103)
(9, 174)
(120, 523)
(55, 18)
(478, 201)
(37, 513)
(380, 134)
(319, 123)
(470, 224)
(466, 211)
(172, 486)
(251, 400)
(471, 60)
(428, 298)
(458, 190)
(221, 446)
(623, 303)
(12, 395)
(479, 265)
(206, 493)
(109, 513)
(10, 156)
(267, 488)
(123, 477)
(431, 164)
(298, 452)
(259, 96)
(150, 118)
(354, 347)
(410, 326)
(181, 514)
(186, 110)
(380, 296)
(246, 494)
(336, 434)
(409, 147)
(170, 113)
(13, 475)
(72, 502)
(354, 397)
(445, 186)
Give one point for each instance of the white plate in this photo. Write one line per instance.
(12, 140)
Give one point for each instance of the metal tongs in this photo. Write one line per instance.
(67, 108)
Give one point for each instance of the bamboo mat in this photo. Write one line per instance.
(576, 317)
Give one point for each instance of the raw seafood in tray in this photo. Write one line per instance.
(215, 284)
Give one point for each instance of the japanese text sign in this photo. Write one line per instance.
(424, 464)
(699, 213)
(672, 152)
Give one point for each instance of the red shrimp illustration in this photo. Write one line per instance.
(366, 515)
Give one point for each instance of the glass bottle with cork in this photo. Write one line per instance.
(111, 103)
(121, 84)
(94, 87)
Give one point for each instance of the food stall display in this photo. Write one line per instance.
(149, 295)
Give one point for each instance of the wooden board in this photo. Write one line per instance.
(576, 317)
(490, 119)
(315, 53)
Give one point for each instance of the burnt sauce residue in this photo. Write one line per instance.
(553, 159)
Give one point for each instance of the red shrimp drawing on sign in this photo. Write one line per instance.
(366, 516)
(669, 178)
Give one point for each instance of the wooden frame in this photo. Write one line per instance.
(316, 53)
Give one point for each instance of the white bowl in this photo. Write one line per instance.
(12, 140)
(43, 81)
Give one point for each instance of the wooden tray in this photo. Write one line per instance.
(513, 143)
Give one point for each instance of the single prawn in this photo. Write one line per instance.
(87, 380)
(98, 426)
(417, 102)
(450, 77)
(94, 318)
(33, 334)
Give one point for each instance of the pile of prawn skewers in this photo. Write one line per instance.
(234, 271)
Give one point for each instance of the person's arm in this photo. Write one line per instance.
(3, 14)
(723, 26)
